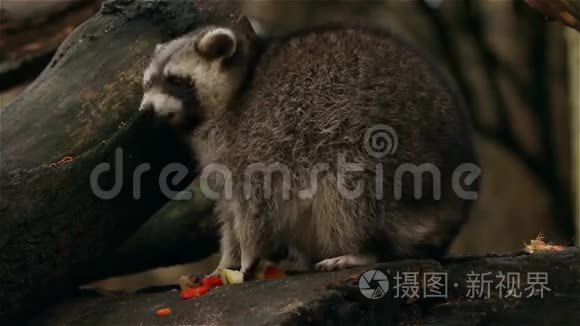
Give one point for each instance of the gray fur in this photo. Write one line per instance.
(302, 100)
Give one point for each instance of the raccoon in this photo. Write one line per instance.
(286, 125)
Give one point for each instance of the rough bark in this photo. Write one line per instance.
(76, 115)
(334, 298)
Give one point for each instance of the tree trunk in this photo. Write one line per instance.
(81, 112)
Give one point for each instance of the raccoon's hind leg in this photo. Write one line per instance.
(345, 261)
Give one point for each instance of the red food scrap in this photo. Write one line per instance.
(212, 281)
(273, 272)
(194, 292)
(163, 312)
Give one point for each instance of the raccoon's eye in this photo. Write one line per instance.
(177, 81)
(148, 84)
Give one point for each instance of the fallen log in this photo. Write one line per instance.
(79, 113)
(538, 289)
(179, 233)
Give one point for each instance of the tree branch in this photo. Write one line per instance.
(565, 11)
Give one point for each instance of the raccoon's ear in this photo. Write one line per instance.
(217, 43)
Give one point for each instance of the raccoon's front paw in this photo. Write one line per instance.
(345, 261)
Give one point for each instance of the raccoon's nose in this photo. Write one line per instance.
(147, 109)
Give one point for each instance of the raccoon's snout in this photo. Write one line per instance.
(160, 105)
(147, 109)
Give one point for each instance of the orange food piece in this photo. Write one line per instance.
(272, 273)
(539, 245)
(212, 281)
(163, 312)
(194, 292)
